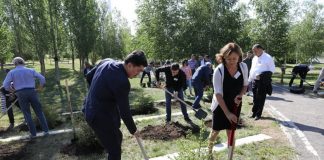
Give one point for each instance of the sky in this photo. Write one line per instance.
(127, 9)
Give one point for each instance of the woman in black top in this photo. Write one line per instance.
(230, 80)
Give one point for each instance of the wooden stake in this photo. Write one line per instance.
(70, 105)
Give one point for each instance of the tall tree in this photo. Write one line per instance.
(82, 18)
(54, 14)
(34, 16)
(271, 27)
(5, 39)
(306, 36)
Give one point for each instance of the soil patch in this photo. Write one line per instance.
(13, 151)
(74, 148)
(166, 132)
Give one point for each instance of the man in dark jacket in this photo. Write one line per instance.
(302, 70)
(107, 101)
(200, 80)
(175, 82)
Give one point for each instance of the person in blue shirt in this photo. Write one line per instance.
(200, 80)
(107, 101)
(23, 79)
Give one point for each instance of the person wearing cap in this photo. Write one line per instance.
(107, 101)
(301, 70)
(200, 80)
(261, 71)
(23, 79)
(175, 83)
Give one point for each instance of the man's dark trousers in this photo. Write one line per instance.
(259, 96)
(199, 93)
(108, 134)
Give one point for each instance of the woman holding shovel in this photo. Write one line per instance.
(230, 80)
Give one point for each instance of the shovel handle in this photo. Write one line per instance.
(13, 103)
(180, 100)
(142, 148)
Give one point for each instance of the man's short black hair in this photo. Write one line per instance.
(175, 66)
(258, 46)
(137, 58)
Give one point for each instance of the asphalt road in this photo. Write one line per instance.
(303, 117)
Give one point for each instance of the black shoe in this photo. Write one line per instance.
(11, 126)
(187, 119)
(257, 118)
(253, 116)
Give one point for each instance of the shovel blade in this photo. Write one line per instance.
(201, 114)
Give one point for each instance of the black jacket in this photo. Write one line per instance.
(176, 82)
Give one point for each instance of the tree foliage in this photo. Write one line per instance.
(271, 27)
(306, 36)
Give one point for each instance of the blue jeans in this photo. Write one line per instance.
(168, 104)
(26, 97)
(199, 92)
(189, 86)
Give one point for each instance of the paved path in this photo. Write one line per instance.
(303, 118)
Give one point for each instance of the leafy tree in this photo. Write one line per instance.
(82, 18)
(34, 16)
(306, 36)
(5, 40)
(271, 27)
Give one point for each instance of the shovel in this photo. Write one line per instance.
(200, 114)
(12, 104)
(142, 148)
(231, 140)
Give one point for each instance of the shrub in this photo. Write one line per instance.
(142, 104)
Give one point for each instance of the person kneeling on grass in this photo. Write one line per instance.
(107, 100)
(230, 81)
(175, 82)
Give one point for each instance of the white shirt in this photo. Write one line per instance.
(218, 78)
(261, 64)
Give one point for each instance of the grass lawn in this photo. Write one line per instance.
(54, 98)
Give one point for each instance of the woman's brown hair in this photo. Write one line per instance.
(228, 49)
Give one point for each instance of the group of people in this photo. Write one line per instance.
(107, 100)
(19, 83)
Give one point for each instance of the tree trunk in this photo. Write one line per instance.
(72, 49)
(57, 70)
(2, 63)
(42, 64)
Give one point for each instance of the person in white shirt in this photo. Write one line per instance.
(260, 75)
(319, 80)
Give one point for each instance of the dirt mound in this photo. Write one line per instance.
(74, 148)
(13, 151)
(166, 132)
